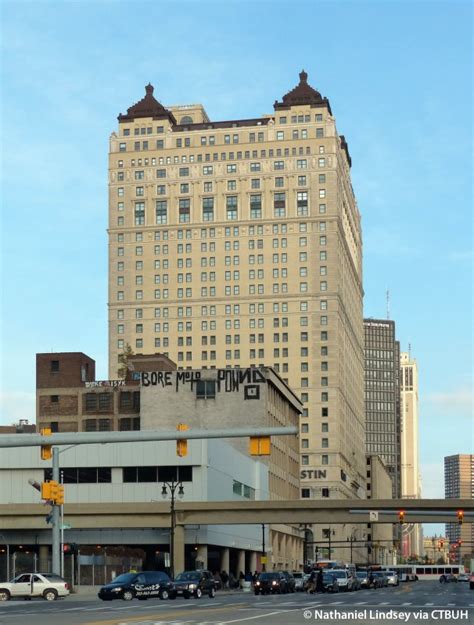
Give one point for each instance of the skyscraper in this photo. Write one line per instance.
(238, 243)
(382, 396)
(411, 478)
(459, 483)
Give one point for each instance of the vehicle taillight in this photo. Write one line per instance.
(66, 586)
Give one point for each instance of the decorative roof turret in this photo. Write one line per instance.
(302, 94)
(147, 107)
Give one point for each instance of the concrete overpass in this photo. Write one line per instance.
(157, 514)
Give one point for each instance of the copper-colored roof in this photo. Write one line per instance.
(302, 94)
(147, 107)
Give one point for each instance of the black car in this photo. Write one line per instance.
(290, 581)
(194, 584)
(447, 578)
(330, 583)
(274, 582)
(137, 585)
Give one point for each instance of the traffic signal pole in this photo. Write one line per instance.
(56, 539)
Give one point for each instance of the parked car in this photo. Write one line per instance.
(45, 585)
(392, 578)
(299, 577)
(463, 577)
(344, 580)
(290, 581)
(330, 582)
(274, 582)
(194, 584)
(143, 585)
(447, 578)
(381, 578)
(363, 578)
(471, 582)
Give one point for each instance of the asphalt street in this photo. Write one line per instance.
(426, 602)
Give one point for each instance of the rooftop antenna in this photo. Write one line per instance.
(388, 303)
(409, 351)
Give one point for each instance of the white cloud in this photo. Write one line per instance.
(17, 405)
(460, 399)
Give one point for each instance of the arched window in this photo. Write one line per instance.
(186, 120)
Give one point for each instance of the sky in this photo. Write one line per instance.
(398, 76)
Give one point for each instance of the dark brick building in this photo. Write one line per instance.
(70, 399)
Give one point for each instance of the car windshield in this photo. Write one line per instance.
(188, 576)
(265, 576)
(340, 574)
(389, 572)
(328, 577)
(298, 575)
(361, 574)
(125, 578)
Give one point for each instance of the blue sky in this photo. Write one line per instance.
(398, 76)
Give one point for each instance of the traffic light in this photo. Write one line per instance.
(182, 444)
(46, 490)
(57, 493)
(70, 548)
(460, 515)
(259, 446)
(401, 517)
(46, 450)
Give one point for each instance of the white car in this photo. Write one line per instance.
(344, 580)
(392, 578)
(45, 585)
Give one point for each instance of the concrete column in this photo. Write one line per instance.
(253, 561)
(201, 555)
(44, 564)
(224, 564)
(179, 549)
(240, 562)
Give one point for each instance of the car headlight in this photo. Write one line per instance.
(117, 589)
(192, 586)
(257, 583)
(274, 583)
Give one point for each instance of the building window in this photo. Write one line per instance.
(231, 207)
(302, 203)
(206, 389)
(325, 492)
(255, 206)
(324, 442)
(139, 213)
(208, 209)
(184, 208)
(305, 493)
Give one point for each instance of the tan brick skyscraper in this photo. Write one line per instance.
(237, 243)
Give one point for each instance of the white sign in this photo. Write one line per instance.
(373, 515)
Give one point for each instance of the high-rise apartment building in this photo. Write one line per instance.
(238, 243)
(411, 478)
(382, 396)
(459, 483)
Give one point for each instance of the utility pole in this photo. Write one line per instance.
(263, 548)
(56, 564)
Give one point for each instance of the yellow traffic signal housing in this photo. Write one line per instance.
(401, 516)
(182, 444)
(259, 446)
(57, 493)
(46, 490)
(460, 515)
(46, 450)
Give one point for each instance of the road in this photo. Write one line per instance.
(428, 600)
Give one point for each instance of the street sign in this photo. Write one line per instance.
(373, 515)
(263, 559)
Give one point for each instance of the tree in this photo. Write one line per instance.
(123, 360)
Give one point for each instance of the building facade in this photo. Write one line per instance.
(459, 483)
(154, 396)
(412, 536)
(379, 536)
(382, 396)
(238, 243)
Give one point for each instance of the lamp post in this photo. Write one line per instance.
(263, 548)
(173, 486)
(351, 538)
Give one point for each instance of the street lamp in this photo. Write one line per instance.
(173, 486)
(351, 538)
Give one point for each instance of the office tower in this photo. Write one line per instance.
(411, 479)
(382, 396)
(238, 243)
(459, 483)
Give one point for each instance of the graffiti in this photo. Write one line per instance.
(226, 380)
